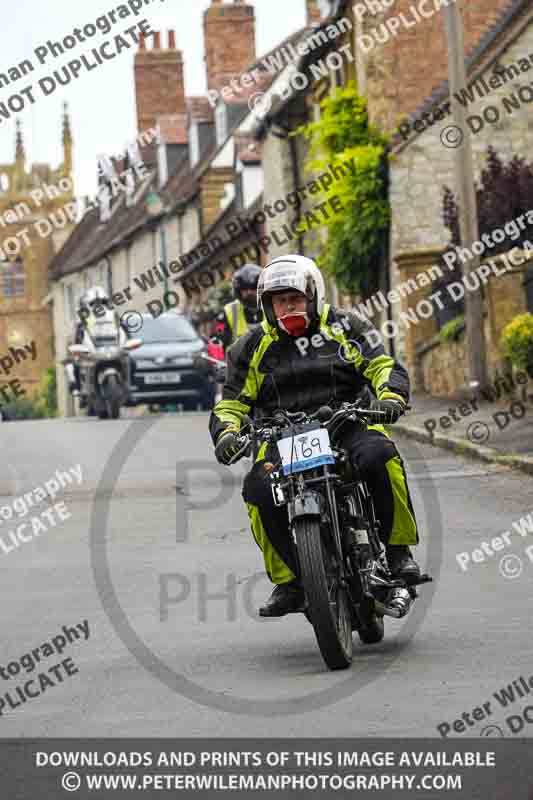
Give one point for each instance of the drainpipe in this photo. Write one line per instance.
(283, 133)
(385, 276)
(296, 185)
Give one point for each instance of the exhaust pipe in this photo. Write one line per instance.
(398, 604)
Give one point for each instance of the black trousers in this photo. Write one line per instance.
(381, 466)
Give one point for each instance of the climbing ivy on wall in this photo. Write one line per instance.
(344, 138)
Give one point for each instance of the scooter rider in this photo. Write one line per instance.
(304, 355)
(237, 316)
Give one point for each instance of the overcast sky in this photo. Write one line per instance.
(102, 102)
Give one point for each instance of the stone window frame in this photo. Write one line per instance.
(194, 144)
(221, 123)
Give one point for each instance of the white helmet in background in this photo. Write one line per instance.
(96, 296)
(298, 273)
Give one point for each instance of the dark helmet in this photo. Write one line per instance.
(246, 277)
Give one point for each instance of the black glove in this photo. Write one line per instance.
(227, 447)
(393, 409)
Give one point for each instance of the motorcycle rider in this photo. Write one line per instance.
(91, 325)
(242, 312)
(306, 354)
(80, 327)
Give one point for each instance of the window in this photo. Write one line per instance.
(221, 119)
(13, 278)
(194, 144)
(105, 204)
(162, 164)
(69, 302)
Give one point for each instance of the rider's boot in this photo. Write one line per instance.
(402, 563)
(286, 598)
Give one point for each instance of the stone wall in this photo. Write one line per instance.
(442, 368)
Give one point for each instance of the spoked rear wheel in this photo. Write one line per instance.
(328, 608)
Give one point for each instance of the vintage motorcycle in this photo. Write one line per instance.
(104, 372)
(334, 528)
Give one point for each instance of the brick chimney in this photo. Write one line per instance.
(229, 32)
(313, 12)
(159, 81)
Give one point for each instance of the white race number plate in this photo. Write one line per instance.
(305, 451)
(163, 377)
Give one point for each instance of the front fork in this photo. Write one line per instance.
(307, 502)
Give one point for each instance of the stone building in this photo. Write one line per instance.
(202, 170)
(35, 220)
(404, 79)
(423, 166)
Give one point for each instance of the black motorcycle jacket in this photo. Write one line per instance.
(336, 358)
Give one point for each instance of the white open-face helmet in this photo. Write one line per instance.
(96, 296)
(298, 273)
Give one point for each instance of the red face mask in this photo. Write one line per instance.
(295, 323)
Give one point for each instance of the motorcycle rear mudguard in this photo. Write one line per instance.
(106, 373)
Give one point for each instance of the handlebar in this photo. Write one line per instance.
(325, 415)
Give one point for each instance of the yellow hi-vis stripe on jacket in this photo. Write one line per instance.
(236, 319)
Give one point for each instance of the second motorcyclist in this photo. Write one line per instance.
(236, 317)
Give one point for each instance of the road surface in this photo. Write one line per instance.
(169, 580)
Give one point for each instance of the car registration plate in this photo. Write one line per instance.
(305, 451)
(163, 377)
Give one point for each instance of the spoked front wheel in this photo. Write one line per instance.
(328, 608)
